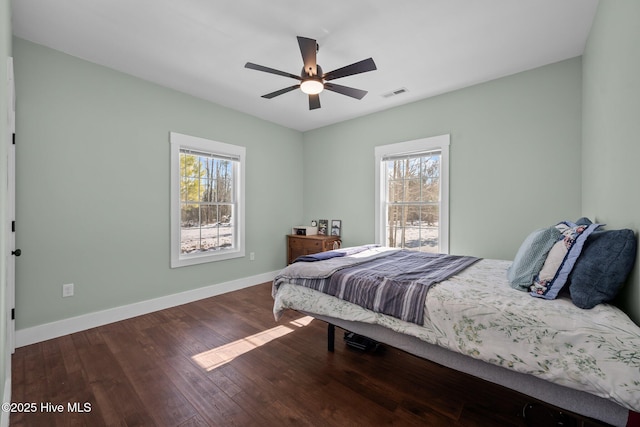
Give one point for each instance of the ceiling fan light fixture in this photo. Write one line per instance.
(312, 79)
(311, 86)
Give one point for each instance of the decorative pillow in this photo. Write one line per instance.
(602, 269)
(561, 259)
(531, 256)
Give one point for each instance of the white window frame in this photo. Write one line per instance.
(440, 143)
(178, 142)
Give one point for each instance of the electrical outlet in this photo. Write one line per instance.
(67, 290)
(252, 256)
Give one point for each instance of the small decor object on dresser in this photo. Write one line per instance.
(304, 230)
(336, 227)
(323, 226)
(314, 223)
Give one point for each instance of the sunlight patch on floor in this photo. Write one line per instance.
(214, 358)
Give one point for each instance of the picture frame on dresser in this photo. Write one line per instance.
(323, 226)
(336, 227)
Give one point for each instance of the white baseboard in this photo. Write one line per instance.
(91, 320)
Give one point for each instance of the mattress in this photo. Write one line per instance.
(476, 313)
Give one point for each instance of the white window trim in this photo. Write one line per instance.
(180, 141)
(441, 143)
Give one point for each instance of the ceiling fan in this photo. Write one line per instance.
(313, 80)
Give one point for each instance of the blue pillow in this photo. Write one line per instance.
(602, 269)
(531, 256)
(561, 259)
(583, 221)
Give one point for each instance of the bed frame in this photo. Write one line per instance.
(569, 399)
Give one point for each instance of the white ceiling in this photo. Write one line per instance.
(200, 46)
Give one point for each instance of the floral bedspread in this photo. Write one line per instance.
(478, 314)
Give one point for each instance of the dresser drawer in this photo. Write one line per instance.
(305, 245)
(299, 244)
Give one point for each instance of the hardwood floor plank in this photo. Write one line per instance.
(156, 392)
(116, 399)
(205, 393)
(225, 361)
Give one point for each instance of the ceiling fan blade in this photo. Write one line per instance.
(253, 66)
(314, 102)
(355, 68)
(308, 49)
(280, 92)
(345, 90)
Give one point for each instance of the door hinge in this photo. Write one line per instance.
(13, 314)
(14, 138)
(13, 226)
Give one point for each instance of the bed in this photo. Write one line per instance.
(474, 320)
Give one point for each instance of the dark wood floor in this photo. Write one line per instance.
(224, 361)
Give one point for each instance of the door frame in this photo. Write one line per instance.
(10, 219)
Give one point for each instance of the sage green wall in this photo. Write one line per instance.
(5, 52)
(514, 157)
(611, 126)
(93, 168)
(93, 186)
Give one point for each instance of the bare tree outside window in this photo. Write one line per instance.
(412, 194)
(206, 203)
(413, 201)
(207, 200)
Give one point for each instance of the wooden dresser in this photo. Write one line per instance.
(305, 245)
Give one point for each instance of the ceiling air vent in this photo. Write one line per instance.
(395, 92)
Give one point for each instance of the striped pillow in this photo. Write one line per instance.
(561, 259)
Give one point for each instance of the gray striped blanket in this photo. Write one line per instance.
(395, 284)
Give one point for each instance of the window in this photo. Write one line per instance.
(412, 193)
(207, 200)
